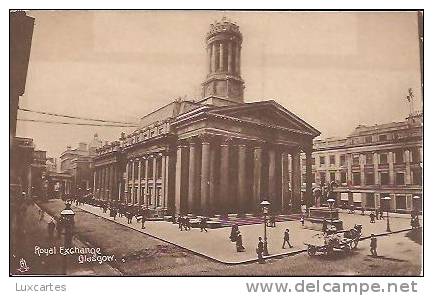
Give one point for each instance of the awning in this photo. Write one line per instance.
(344, 196)
(357, 197)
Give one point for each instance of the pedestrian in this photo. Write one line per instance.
(377, 213)
(239, 245)
(180, 221)
(259, 251)
(381, 214)
(373, 245)
(187, 223)
(233, 233)
(362, 211)
(51, 227)
(273, 221)
(302, 220)
(372, 216)
(41, 215)
(203, 224)
(352, 209)
(287, 239)
(173, 219)
(143, 217)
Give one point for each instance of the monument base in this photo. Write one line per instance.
(318, 214)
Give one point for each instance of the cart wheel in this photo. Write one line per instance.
(311, 250)
(354, 244)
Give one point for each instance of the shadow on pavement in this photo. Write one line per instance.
(415, 235)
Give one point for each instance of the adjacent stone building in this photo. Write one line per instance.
(373, 162)
(215, 155)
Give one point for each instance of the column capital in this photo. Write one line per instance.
(206, 138)
(225, 141)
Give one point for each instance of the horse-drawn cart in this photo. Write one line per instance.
(327, 243)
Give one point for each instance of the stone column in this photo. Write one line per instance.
(362, 161)
(349, 169)
(126, 197)
(285, 197)
(155, 159)
(376, 168)
(132, 200)
(238, 59)
(272, 184)
(103, 183)
(229, 57)
(257, 174)
(242, 162)
(296, 181)
(178, 180)
(391, 168)
(205, 174)
(146, 180)
(107, 182)
(165, 172)
(94, 182)
(212, 179)
(309, 178)
(139, 199)
(224, 176)
(408, 179)
(29, 181)
(209, 49)
(192, 177)
(221, 56)
(214, 58)
(112, 181)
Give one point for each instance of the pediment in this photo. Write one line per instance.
(268, 113)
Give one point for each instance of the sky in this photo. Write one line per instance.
(335, 70)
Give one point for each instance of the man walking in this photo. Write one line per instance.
(373, 245)
(259, 251)
(372, 217)
(143, 217)
(203, 224)
(287, 239)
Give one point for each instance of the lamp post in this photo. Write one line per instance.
(387, 200)
(265, 206)
(67, 219)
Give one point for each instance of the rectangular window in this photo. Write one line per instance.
(304, 162)
(332, 159)
(313, 161)
(370, 201)
(332, 176)
(355, 159)
(383, 158)
(342, 160)
(343, 178)
(322, 178)
(369, 158)
(356, 179)
(322, 160)
(369, 178)
(382, 137)
(399, 156)
(417, 177)
(368, 139)
(304, 178)
(399, 178)
(400, 202)
(415, 155)
(159, 168)
(384, 178)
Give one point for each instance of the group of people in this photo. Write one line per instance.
(236, 237)
(377, 214)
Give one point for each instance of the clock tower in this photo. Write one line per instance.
(224, 80)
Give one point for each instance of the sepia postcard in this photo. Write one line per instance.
(216, 143)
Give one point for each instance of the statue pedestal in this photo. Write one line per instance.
(318, 214)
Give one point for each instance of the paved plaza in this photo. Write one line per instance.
(215, 243)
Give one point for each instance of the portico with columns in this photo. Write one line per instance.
(217, 155)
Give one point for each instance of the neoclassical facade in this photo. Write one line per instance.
(217, 155)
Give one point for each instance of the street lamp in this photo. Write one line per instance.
(265, 206)
(330, 202)
(67, 219)
(387, 200)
